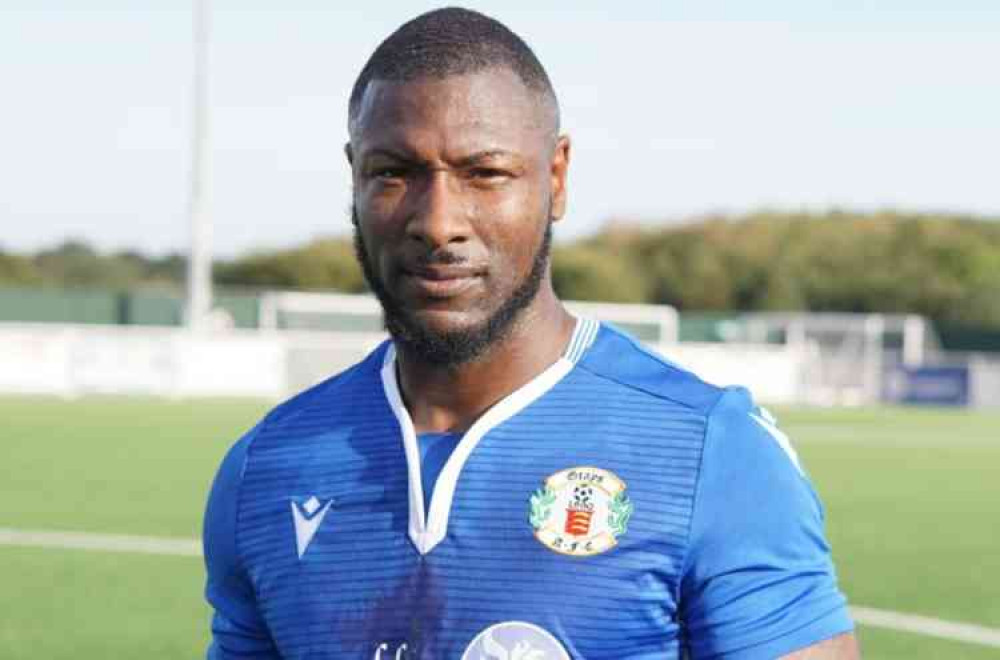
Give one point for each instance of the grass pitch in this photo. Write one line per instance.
(913, 506)
(912, 500)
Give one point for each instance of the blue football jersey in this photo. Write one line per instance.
(615, 507)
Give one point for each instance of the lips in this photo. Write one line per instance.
(442, 281)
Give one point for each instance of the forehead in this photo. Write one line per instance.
(487, 110)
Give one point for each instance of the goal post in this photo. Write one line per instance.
(848, 354)
(325, 332)
(286, 310)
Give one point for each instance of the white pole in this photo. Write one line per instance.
(199, 272)
(874, 354)
(913, 341)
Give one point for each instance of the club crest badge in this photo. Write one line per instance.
(515, 640)
(580, 511)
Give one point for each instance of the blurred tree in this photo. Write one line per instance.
(322, 264)
(18, 271)
(944, 267)
(947, 268)
(75, 263)
(168, 270)
(586, 273)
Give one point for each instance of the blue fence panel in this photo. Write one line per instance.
(936, 386)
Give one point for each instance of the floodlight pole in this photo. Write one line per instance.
(199, 271)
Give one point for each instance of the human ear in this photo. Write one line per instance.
(558, 170)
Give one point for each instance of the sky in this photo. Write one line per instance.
(675, 108)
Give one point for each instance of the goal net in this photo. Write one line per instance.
(847, 355)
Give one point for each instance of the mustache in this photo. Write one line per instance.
(441, 257)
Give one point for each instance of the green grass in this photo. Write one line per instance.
(912, 499)
(137, 466)
(913, 506)
(879, 644)
(83, 605)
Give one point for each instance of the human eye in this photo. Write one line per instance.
(388, 172)
(385, 169)
(488, 176)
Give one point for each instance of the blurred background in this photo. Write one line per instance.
(797, 196)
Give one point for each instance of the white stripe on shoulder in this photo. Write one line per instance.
(573, 341)
(583, 337)
(766, 421)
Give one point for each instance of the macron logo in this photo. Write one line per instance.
(307, 516)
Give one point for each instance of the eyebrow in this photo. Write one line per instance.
(481, 156)
(389, 153)
(466, 161)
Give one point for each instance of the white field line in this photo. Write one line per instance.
(152, 545)
(925, 625)
(911, 623)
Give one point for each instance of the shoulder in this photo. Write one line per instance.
(743, 441)
(731, 415)
(618, 357)
(326, 395)
(277, 427)
(757, 579)
(334, 390)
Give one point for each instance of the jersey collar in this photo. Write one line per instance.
(426, 531)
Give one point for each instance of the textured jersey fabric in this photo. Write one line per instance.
(319, 543)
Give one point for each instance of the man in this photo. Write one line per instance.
(502, 480)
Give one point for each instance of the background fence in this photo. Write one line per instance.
(295, 340)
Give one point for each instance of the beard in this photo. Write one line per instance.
(464, 345)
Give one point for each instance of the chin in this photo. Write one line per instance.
(446, 338)
(443, 322)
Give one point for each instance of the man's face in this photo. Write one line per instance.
(456, 183)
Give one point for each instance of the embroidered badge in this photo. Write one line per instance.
(515, 640)
(580, 511)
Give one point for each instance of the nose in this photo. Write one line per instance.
(440, 216)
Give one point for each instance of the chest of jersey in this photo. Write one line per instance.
(571, 516)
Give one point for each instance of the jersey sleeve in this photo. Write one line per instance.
(758, 580)
(238, 629)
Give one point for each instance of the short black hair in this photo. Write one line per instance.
(448, 42)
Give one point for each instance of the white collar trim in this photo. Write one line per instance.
(426, 532)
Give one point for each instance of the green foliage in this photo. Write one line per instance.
(580, 272)
(947, 268)
(943, 267)
(322, 264)
(75, 264)
(17, 270)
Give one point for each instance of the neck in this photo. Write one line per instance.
(453, 398)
